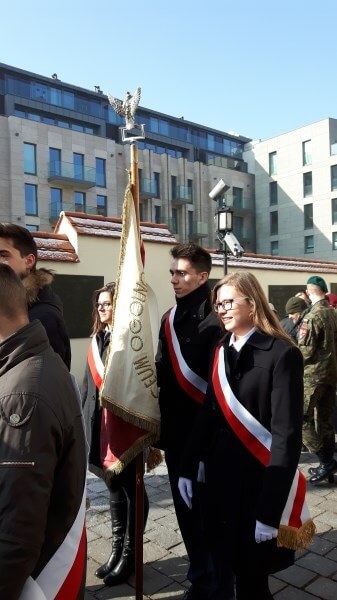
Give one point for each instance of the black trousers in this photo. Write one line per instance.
(192, 527)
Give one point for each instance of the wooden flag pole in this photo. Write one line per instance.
(139, 457)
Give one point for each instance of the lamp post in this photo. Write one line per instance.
(224, 225)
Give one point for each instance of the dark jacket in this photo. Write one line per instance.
(45, 305)
(268, 380)
(197, 329)
(42, 457)
(92, 410)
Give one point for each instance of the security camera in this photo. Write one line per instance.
(219, 190)
(233, 244)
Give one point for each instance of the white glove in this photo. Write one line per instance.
(201, 473)
(185, 489)
(264, 532)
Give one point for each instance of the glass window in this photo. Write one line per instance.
(274, 223)
(34, 117)
(274, 248)
(174, 220)
(54, 161)
(163, 127)
(334, 177)
(190, 221)
(29, 158)
(68, 100)
(32, 227)
(272, 163)
(334, 240)
(55, 96)
(273, 193)
(55, 202)
(157, 184)
(78, 165)
(154, 125)
(79, 201)
(238, 227)
(63, 124)
(237, 197)
(76, 127)
(307, 184)
(190, 190)
(19, 113)
(308, 216)
(30, 199)
(334, 211)
(309, 246)
(101, 205)
(100, 172)
(173, 187)
(157, 214)
(306, 152)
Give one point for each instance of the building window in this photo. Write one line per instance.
(174, 220)
(274, 248)
(190, 214)
(309, 246)
(307, 184)
(55, 202)
(79, 201)
(157, 213)
(237, 197)
(157, 184)
(30, 199)
(334, 177)
(306, 152)
(29, 158)
(190, 190)
(238, 227)
(274, 223)
(173, 187)
(334, 211)
(273, 193)
(78, 165)
(100, 172)
(32, 227)
(141, 211)
(334, 240)
(101, 205)
(308, 216)
(54, 161)
(272, 163)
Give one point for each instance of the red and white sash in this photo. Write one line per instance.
(189, 381)
(257, 439)
(95, 363)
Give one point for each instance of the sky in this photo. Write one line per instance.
(258, 68)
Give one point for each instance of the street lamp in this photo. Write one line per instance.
(224, 225)
(224, 222)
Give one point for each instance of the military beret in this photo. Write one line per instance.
(295, 305)
(316, 280)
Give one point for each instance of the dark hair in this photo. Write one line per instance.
(97, 325)
(199, 258)
(13, 300)
(21, 238)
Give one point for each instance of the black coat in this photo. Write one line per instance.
(268, 380)
(198, 330)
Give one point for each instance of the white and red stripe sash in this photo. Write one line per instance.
(189, 381)
(95, 363)
(62, 577)
(257, 440)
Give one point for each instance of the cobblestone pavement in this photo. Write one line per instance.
(165, 562)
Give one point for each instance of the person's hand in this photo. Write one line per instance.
(185, 489)
(201, 473)
(264, 532)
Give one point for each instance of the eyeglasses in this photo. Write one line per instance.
(102, 305)
(227, 304)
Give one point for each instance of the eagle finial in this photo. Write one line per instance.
(126, 108)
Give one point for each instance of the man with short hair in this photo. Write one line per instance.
(317, 340)
(42, 458)
(186, 336)
(18, 250)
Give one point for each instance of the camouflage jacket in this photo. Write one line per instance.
(317, 340)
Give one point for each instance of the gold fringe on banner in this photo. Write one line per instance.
(296, 539)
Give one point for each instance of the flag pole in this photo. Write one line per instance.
(139, 457)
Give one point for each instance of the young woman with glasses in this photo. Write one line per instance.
(122, 487)
(249, 436)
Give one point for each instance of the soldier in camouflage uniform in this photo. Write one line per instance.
(317, 340)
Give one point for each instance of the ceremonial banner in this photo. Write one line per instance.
(129, 395)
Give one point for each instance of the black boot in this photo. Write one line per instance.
(118, 527)
(324, 471)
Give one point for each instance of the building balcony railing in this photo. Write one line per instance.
(182, 195)
(239, 203)
(148, 188)
(200, 229)
(172, 225)
(55, 208)
(70, 174)
(228, 163)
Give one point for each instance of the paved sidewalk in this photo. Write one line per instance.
(313, 576)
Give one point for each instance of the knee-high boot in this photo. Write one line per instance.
(118, 511)
(126, 565)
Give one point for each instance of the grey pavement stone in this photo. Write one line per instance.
(96, 485)
(330, 535)
(118, 592)
(291, 593)
(153, 552)
(93, 582)
(276, 585)
(321, 546)
(329, 518)
(171, 591)
(180, 550)
(102, 529)
(296, 575)
(332, 555)
(162, 499)
(173, 566)
(94, 517)
(323, 588)
(154, 581)
(322, 528)
(91, 535)
(99, 550)
(317, 564)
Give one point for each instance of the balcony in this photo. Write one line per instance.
(56, 207)
(181, 195)
(200, 230)
(239, 203)
(148, 189)
(71, 175)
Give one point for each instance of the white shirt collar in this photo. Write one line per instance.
(238, 344)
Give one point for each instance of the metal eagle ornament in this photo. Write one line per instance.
(127, 109)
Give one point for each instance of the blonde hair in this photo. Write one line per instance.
(263, 317)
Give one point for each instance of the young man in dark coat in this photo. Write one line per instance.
(18, 250)
(42, 457)
(187, 333)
